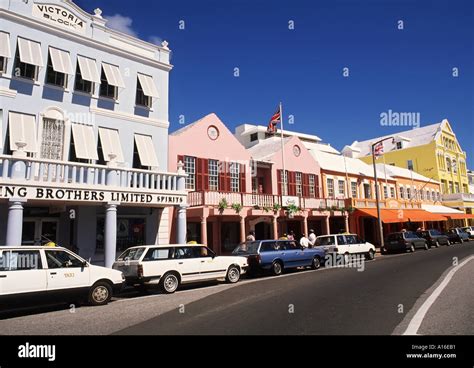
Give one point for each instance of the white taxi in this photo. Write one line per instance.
(346, 245)
(169, 266)
(33, 275)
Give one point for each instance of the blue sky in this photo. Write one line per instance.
(409, 70)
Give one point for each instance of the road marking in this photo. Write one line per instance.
(419, 316)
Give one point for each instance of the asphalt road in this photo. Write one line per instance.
(336, 301)
(380, 300)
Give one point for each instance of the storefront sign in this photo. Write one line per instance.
(81, 195)
(59, 16)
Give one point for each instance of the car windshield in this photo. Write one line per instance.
(132, 254)
(247, 248)
(396, 236)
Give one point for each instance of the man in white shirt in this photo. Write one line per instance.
(304, 242)
(312, 238)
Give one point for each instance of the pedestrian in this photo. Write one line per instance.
(304, 241)
(312, 238)
(291, 236)
(284, 237)
(251, 236)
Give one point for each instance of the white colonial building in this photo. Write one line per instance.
(83, 133)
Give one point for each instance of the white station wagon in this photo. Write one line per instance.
(46, 275)
(346, 244)
(169, 266)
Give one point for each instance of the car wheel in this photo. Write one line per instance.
(277, 268)
(412, 248)
(316, 263)
(371, 255)
(100, 293)
(169, 283)
(233, 275)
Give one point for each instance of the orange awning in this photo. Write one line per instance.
(388, 216)
(422, 215)
(402, 215)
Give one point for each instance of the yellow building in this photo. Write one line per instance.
(432, 151)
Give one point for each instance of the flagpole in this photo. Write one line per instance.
(285, 178)
(386, 178)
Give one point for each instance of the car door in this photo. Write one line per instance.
(66, 272)
(187, 263)
(292, 255)
(353, 244)
(212, 267)
(22, 274)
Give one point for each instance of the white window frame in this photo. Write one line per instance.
(299, 184)
(213, 168)
(330, 187)
(312, 186)
(234, 177)
(190, 169)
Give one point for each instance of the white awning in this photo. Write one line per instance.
(61, 61)
(84, 142)
(112, 73)
(110, 140)
(440, 209)
(22, 132)
(30, 52)
(146, 150)
(88, 69)
(148, 86)
(5, 50)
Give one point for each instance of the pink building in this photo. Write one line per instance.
(233, 190)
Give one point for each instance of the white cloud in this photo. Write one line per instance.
(122, 24)
(155, 40)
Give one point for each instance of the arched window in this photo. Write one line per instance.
(448, 164)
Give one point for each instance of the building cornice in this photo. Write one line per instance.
(130, 117)
(85, 40)
(5, 92)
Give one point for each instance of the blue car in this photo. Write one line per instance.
(278, 255)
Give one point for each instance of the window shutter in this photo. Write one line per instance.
(243, 181)
(205, 174)
(317, 190)
(199, 175)
(305, 185)
(223, 176)
(280, 181)
(292, 184)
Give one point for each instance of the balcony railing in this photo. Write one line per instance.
(386, 203)
(211, 198)
(48, 172)
(458, 197)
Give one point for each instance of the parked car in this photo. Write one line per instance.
(45, 275)
(434, 238)
(470, 231)
(169, 266)
(457, 235)
(404, 241)
(346, 244)
(278, 255)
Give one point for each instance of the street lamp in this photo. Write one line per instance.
(377, 193)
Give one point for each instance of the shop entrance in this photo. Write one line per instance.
(40, 231)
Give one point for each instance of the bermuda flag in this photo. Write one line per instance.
(275, 120)
(378, 150)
